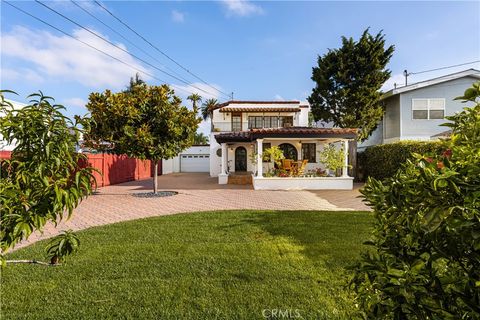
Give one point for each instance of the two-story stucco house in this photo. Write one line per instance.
(242, 130)
(416, 111)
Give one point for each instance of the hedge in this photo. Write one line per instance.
(383, 161)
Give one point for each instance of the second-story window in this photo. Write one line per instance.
(285, 122)
(428, 108)
(236, 122)
(255, 122)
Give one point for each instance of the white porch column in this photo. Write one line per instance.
(224, 158)
(259, 158)
(345, 164)
(223, 176)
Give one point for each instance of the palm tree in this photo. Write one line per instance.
(200, 139)
(207, 110)
(194, 97)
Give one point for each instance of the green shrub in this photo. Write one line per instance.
(425, 261)
(44, 180)
(383, 161)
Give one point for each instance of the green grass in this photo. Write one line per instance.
(208, 265)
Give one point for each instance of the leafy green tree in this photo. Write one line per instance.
(424, 261)
(45, 179)
(149, 122)
(348, 81)
(200, 139)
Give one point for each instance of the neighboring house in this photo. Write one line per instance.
(416, 111)
(243, 129)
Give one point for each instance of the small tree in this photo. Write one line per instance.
(275, 154)
(332, 157)
(425, 257)
(347, 83)
(44, 179)
(148, 122)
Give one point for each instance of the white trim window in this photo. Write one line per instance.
(428, 108)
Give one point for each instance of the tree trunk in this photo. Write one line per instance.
(155, 176)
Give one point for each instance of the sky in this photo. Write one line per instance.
(258, 50)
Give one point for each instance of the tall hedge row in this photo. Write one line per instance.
(383, 161)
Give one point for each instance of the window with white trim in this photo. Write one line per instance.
(428, 108)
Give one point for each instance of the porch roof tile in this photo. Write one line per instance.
(293, 132)
(259, 109)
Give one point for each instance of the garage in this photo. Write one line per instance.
(194, 163)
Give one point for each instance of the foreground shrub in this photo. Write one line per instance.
(425, 261)
(383, 161)
(43, 181)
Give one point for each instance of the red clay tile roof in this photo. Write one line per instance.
(242, 136)
(259, 109)
(221, 105)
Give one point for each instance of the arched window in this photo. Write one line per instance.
(289, 151)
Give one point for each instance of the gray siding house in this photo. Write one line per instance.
(415, 112)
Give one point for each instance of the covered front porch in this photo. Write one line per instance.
(244, 152)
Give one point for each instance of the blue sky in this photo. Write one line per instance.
(259, 50)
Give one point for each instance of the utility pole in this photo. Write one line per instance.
(406, 74)
(232, 96)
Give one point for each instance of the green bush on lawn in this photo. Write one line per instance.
(383, 161)
(426, 258)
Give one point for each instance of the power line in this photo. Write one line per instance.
(126, 39)
(94, 48)
(443, 68)
(156, 48)
(120, 48)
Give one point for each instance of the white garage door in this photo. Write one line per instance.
(195, 163)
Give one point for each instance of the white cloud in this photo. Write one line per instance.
(75, 102)
(241, 8)
(398, 79)
(178, 16)
(65, 59)
(21, 74)
(278, 97)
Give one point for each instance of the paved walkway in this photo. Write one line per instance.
(196, 192)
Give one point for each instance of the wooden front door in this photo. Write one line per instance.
(240, 159)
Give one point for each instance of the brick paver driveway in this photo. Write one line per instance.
(196, 192)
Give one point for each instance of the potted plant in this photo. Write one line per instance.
(274, 154)
(253, 160)
(333, 158)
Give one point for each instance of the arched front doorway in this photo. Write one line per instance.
(240, 159)
(289, 151)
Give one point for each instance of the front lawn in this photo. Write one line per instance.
(207, 265)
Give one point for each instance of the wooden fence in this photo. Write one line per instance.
(114, 169)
